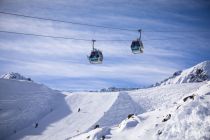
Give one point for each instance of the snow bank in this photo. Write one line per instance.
(191, 120)
(162, 96)
(129, 123)
(23, 103)
(96, 134)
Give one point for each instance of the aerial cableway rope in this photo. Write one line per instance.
(69, 22)
(83, 39)
(94, 25)
(48, 36)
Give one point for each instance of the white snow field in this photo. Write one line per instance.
(182, 120)
(105, 109)
(30, 111)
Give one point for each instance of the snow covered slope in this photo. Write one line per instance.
(92, 105)
(23, 103)
(190, 118)
(104, 109)
(187, 119)
(16, 76)
(198, 73)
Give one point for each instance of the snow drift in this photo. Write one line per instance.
(192, 118)
(129, 122)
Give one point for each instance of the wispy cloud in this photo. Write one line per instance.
(63, 63)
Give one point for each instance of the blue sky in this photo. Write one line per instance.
(62, 64)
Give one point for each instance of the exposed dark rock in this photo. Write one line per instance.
(189, 97)
(96, 126)
(178, 107)
(130, 115)
(159, 132)
(103, 137)
(166, 118)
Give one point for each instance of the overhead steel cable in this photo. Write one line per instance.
(56, 37)
(94, 25)
(178, 31)
(70, 22)
(83, 39)
(48, 36)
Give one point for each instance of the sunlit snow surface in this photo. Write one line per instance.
(109, 110)
(189, 120)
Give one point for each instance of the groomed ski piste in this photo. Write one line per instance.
(31, 111)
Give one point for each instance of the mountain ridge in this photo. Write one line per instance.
(197, 73)
(15, 76)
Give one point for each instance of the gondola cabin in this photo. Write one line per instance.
(96, 57)
(137, 46)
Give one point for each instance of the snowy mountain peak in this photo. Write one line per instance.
(197, 73)
(16, 76)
